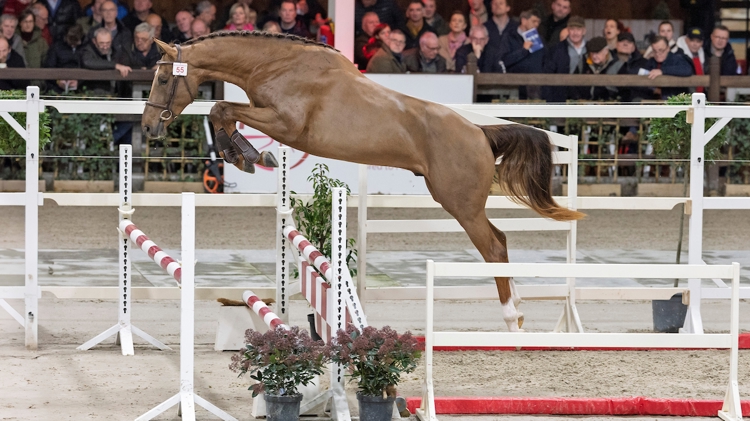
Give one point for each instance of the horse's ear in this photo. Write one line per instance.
(165, 48)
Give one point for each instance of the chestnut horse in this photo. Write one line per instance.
(310, 97)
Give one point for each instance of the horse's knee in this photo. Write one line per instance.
(218, 112)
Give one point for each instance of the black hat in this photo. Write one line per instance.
(596, 44)
(696, 33)
(626, 36)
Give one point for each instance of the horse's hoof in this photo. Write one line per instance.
(226, 150)
(245, 166)
(268, 160)
(520, 320)
(247, 150)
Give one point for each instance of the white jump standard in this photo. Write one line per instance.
(124, 329)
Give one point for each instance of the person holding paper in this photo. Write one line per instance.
(521, 50)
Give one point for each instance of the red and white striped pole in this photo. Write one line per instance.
(261, 309)
(154, 252)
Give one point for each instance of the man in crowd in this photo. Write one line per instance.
(434, 19)
(665, 62)
(632, 63)
(141, 10)
(425, 59)
(199, 28)
(599, 61)
(289, 22)
(62, 15)
(488, 58)
(8, 24)
(499, 22)
(88, 22)
(10, 58)
(154, 21)
(519, 54)
(719, 47)
(181, 31)
(41, 20)
(206, 11)
(144, 53)
(99, 55)
(565, 58)
(666, 29)
(552, 30)
(122, 38)
(477, 13)
(691, 45)
(415, 25)
(387, 11)
(66, 54)
(370, 21)
(388, 57)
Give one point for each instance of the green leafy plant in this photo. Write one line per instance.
(670, 138)
(280, 360)
(377, 357)
(11, 143)
(739, 142)
(81, 139)
(313, 219)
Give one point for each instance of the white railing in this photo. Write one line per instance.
(731, 409)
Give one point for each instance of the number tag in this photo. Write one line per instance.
(179, 69)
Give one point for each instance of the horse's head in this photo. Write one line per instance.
(171, 91)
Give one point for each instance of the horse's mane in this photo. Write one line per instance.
(264, 34)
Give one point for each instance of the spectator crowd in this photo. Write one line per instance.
(106, 34)
(418, 40)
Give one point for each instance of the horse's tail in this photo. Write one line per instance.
(525, 171)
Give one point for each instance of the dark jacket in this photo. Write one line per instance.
(16, 61)
(414, 63)
(558, 61)
(727, 59)
(489, 62)
(440, 25)
(674, 65)
(413, 41)
(92, 59)
(634, 63)
(494, 32)
(177, 36)
(35, 50)
(62, 56)
(299, 29)
(549, 31)
(384, 61)
(598, 93)
(387, 10)
(139, 61)
(359, 50)
(121, 42)
(63, 17)
(131, 21)
(515, 58)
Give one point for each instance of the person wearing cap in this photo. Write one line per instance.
(632, 62)
(666, 29)
(565, 57)
(720, 47)
(665, 62)
(691, 45)
(599, 60)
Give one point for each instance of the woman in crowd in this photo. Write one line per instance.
(380, 36)
(34, 46)
(613, 28)
(453, 40)
(241, 18)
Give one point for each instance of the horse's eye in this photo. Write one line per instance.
(162, 81)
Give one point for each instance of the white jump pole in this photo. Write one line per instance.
(31, 247)
(124, 329)
(186, 397)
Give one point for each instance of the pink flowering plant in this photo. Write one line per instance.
(377, 357)
(280, 360)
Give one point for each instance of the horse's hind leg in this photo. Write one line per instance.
(515, 296)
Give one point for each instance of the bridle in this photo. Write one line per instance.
(167, 113)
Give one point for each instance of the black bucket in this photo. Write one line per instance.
(375, 408)
(669, 315)
(313, 333)
(282, 408)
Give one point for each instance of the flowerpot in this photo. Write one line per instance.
(669, 315)
(375, 408)
(313, 332)
(282, 408)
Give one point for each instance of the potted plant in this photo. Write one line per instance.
(670, 138)
(313, 221)
(280, 360)
(377, 358)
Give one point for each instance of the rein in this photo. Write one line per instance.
(167, 113)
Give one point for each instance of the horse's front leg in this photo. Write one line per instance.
(235, 149)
